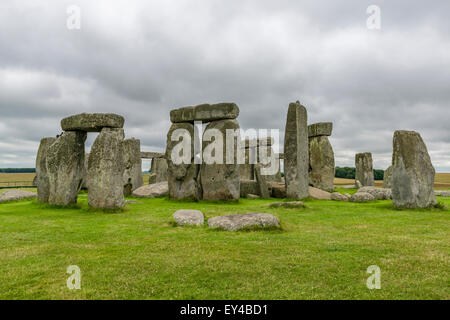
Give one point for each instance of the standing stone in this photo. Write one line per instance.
(132, 176)
(364, 169)
(247, 169)
(41, 180)
(321, 163)
(106, 170)
(84, 183)
(387, 180)
(221, 181)
(65, 164)
(412, 172)
(182, 178)
(296, 152)
(159, 169)
(264, 190)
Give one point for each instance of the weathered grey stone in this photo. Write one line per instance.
(336, 196)
(290, 204)
(296, 152)
(387, 180)
(156, 190)
(183, 178)
(189, 218)
(320, 129)
(267, 158)
(152, 155)
(15, 195)
(362, 197)
(65, 165)
(378, 193)
(248, 187)
(364, 169)
(278, 190)
(220, 181)
(253, 196)
(151, 178)
(321, 163)
(318, 194)
(42, 183)
(159, 168)
(92, 122)
(255, 143)
(442, 193)
(264, 190)
(247, 169)
(106, 170)
(358, 184)
(412, 173)
(84, 183)
(132, 175)
(242, 221)
(205, 113)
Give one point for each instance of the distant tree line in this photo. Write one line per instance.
(18, 170)
(349, 173)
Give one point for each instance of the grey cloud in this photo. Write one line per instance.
(141, 59)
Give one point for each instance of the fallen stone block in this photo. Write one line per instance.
(189, 218)
(243, 221)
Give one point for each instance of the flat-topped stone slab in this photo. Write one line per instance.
(362, 197)
(205, 112)
(92, 122)
(189, 218)
(320, 129)
(442, 193)
(15, 195)
(241, 221)
(152, 155)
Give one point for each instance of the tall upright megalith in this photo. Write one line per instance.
(387, 179)
(182, 174)
(65, 163)
(132, 175)
(412, 172)
(42, 181)
(296, 152)
(321, 156)
(219, 178)
(159, 170)
(106, 170)
(364, 169)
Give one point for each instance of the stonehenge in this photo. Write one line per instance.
(113, 168)
(62, 167)
(215, 178)
(296, 152)
(364, 169)
(321, 157)
(412, 172)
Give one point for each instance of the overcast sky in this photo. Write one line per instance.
(143, 58)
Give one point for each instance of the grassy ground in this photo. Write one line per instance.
(322, 252)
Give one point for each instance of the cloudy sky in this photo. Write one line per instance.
(143, 58)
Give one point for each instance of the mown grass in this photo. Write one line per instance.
(321, 252)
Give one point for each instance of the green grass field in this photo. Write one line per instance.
(322, 252)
